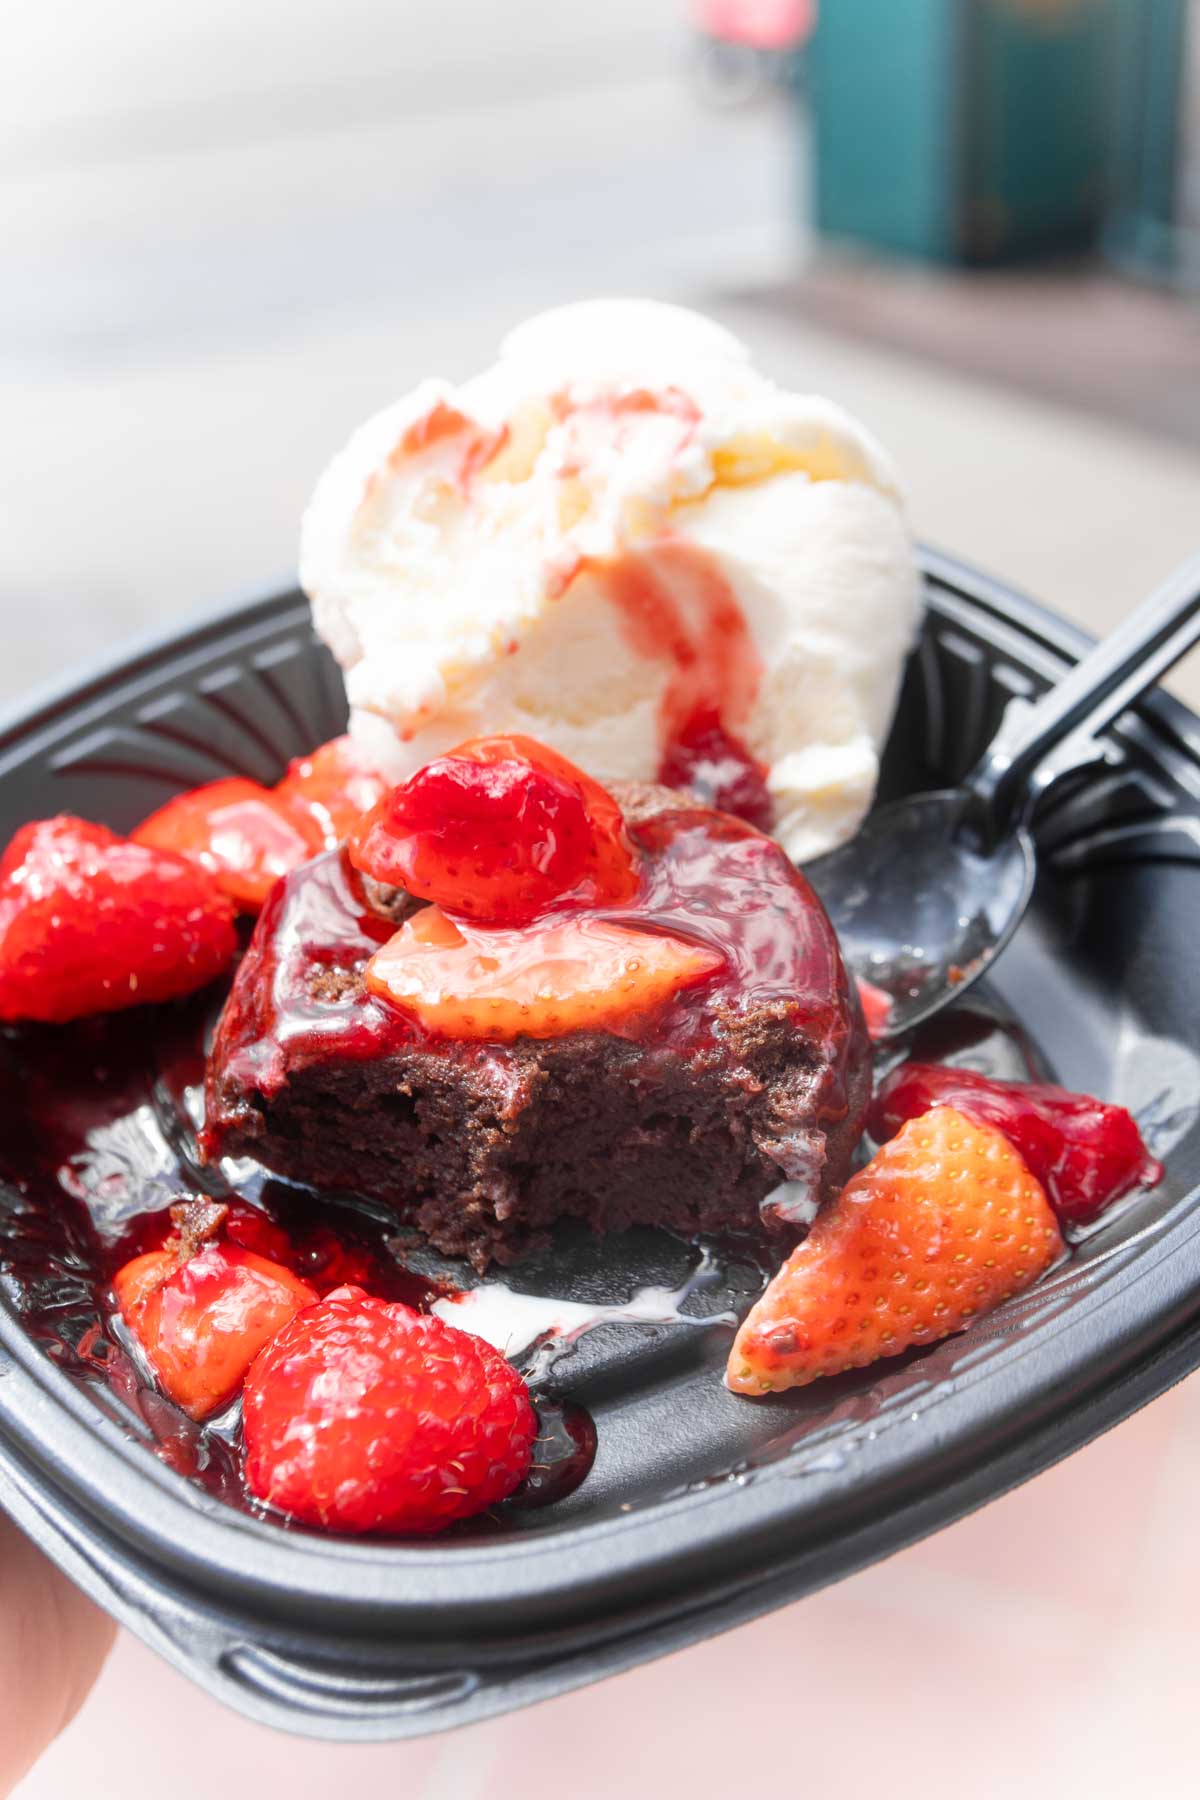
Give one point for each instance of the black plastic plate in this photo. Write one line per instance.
(702, 1509)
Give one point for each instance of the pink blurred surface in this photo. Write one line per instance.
(1043, 1646)
(767, 24)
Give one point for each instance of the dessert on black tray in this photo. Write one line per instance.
(672, 1043)
(622, 626)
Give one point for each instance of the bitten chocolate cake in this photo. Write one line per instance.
(690, 1115)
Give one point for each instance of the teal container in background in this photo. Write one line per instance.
(1143, 232)
(968, 131)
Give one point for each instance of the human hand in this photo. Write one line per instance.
(53, 1642)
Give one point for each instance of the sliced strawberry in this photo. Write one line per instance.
(90, 923)
(241, 832)
(498, 831)
(331, 788)
(1085, 1152)
(580, 974)
(943, 1224)
(367, 1416)
(202, 1321)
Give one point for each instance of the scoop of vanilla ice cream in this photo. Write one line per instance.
(620, 525)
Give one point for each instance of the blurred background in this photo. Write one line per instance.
(229, 231)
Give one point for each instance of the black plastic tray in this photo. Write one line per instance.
(703, 1510)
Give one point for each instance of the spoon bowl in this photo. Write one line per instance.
(920, 908)
(932, 888)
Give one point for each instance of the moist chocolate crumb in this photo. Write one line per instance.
(329, 984)
(394, 903)
(196, 1221)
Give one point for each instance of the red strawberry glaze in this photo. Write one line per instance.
(296, 1000)
(609, 423)
(676, 608)
(674, 605)
(667, 403)
(718, 768)
(251, 1229)
(876, 1005)
(86, 1177)
(462, 442)
(1085, 1153)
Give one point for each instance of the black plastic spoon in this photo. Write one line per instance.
(933, 886)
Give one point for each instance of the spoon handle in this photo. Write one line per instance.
(1097, 690)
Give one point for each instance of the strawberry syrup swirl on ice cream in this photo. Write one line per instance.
(624, 541)
(714, 672)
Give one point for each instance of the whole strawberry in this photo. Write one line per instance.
(943, 1224)
(363, 1415)
(90, 923)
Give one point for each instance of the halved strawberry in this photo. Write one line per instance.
(90, 923)
(368, 1416)
(331, 788)
(582, 973)
(944, 1223)
(497, 831)
(240, 831)
(202, 1321)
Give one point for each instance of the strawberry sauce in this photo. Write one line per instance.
(463, 444)
(563, 1452)
(298, 997)
(95, 1144)
(1086, 1153)
(676, 608)
(717, 767)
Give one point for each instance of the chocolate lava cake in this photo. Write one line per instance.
(738, 1103)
